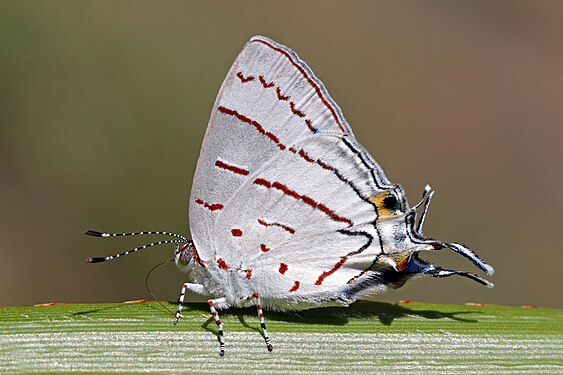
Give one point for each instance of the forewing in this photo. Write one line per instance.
(281, 180)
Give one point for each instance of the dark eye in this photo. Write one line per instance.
(390, 202)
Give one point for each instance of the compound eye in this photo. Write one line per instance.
(180, 248)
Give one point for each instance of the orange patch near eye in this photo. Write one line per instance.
(402, 264)
(378, 200)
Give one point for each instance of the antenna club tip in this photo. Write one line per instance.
(94, 233)
(95, 260)
(489, 270)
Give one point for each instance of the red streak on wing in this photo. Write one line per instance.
(244, 79)
(262, 222)
(294, 287)
(248, 273)
(305, 199)
(263, 82)
(254, 123)
(286, 190)
(264, 248)
(310, 126)
(222, 165)
(284, 227)
(283, 268)
(325, 209)
(263, 182)
(325, 166)
(326, 274)
(222, 264)
(210, 207)
(280, 96)
(304, 155)
(268, 85)
(309, 201)
(304, 74)
(296, 111)
(236, 232)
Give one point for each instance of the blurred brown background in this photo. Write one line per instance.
(103, 106)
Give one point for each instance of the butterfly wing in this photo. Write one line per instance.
(281, 190)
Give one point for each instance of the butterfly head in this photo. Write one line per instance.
(183, 255)
(402, 238)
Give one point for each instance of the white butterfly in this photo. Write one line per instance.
(287, 209)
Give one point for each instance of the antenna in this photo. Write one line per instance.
(181, 239)
(95, 233)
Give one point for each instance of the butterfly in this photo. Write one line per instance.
(287, 210)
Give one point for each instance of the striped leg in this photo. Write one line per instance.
(196, 288)
(211, 304)
(262, 322)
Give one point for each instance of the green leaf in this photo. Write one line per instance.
(366, 337)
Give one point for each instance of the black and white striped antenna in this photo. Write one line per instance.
(180, 240)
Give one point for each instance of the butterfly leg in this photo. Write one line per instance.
(196, 288)
(262, 322)
(212, 303)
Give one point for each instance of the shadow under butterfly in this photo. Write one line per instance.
(287, 210)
